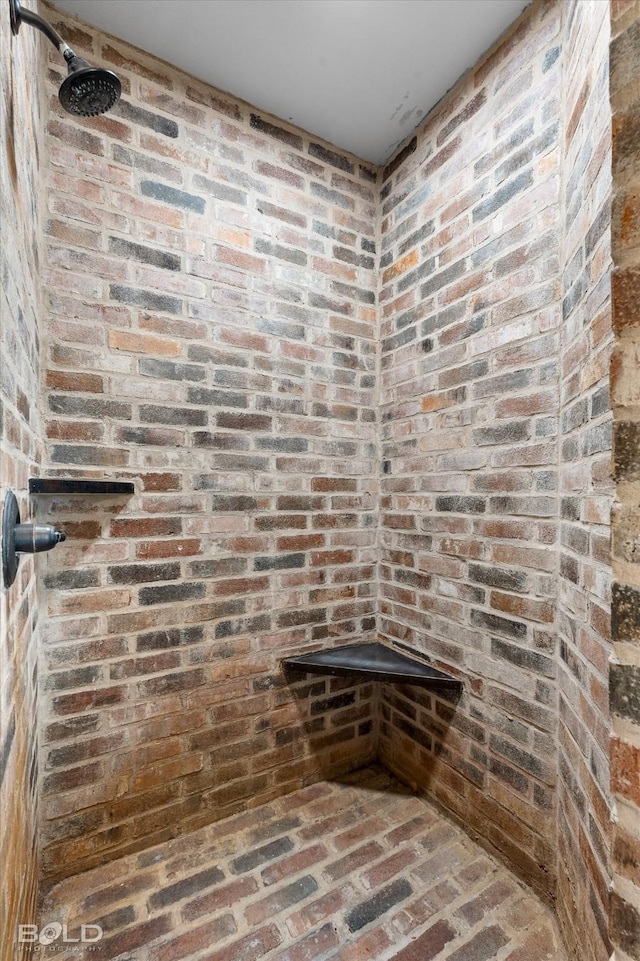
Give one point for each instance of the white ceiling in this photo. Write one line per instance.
(358, 73)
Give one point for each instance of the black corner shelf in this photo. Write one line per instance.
(66, 485)
(374, 662)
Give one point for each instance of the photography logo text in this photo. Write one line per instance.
(56, 933)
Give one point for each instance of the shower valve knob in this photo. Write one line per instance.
(20, 538)
(33, 538)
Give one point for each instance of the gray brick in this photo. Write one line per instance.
(147, 255)
(145, 118)
(261, 855)
(498, 199)
(170, 195)
(220, 190)
(145, 299)
(381, 902)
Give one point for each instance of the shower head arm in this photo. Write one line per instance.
(86, 91)
(20, 15)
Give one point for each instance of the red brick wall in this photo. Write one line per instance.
(495, 341)
(21, 147)
(211, 336)
(584, 595)
(625, 672)
(471, 327)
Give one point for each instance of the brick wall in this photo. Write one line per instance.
(470, 329)
(21, 148)
(625, 672)
(584, 805)
(496, 432)
(211, 336)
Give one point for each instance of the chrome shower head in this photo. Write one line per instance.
(87, 91)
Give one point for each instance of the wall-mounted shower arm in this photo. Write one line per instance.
(87, 91)
(19, 14)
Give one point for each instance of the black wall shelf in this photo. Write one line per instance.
(374, 662)
(64, 485)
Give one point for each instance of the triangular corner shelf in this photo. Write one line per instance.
(374, 662)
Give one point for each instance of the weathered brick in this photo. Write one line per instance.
(280, 252)
(186, 887)
(146, 118)
(503, 195)
(429, 944)
(194, 940)
(220, 190)
(146, 255)
(170, 683)
(141, 573)
(505, 578)
(381, 902)
(626, 922)
(400, 158)
(220, 897)
(356, 858)
(280, 900)
(626, 447)
(145, 298)
(134, 937)
(625, 613)
(272, 130)
(482, 946)
(314, 945)
(247, 862)
(461, 505)
(624, 691)
(330, 157)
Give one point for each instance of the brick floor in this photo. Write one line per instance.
(354, 870)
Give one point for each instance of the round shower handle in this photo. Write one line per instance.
(33, 538)
(20, 538)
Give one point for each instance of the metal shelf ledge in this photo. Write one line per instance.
(64, 485)
(374, 662)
